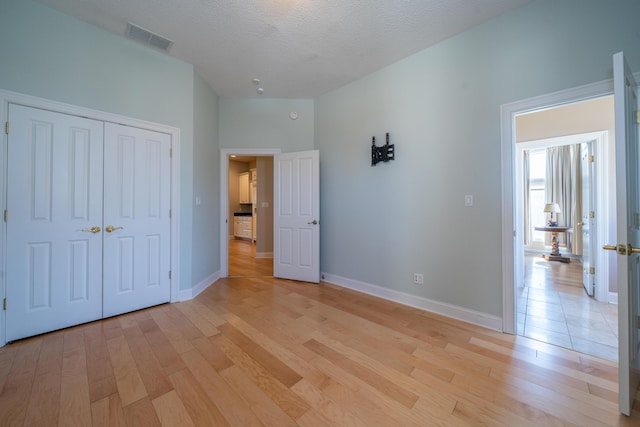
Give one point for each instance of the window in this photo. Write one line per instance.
(537, 174)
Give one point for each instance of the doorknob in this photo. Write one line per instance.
(622, 249)
(95, 229)
(314, 222)
(111, 228)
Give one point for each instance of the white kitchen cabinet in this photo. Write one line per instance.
(244, 194)
(242, 227)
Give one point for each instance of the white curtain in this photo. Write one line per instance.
(564, 188)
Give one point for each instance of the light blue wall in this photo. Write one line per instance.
(265, 123)
(442, 108)
(206, 183)
(50, 55)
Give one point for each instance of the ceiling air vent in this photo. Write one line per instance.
(147, 37)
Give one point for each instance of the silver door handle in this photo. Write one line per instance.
(314, 222)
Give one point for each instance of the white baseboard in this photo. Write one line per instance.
(613, 298)
(188, 294)
(455, 312)
(264, 254)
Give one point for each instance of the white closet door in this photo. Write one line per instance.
(136, 206)
(54, 197)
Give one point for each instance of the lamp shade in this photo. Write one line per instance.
(552, 207)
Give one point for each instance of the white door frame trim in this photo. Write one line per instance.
(508, 113)
(224, 196)
(8, 97)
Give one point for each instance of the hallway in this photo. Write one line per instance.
(243, 261)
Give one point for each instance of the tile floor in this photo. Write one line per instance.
(554, 308)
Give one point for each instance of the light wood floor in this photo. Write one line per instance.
(243, 261)
(263, 351)
(257, 351)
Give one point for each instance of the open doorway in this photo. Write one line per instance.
(247, 212)
(250, 195)
(552, 302)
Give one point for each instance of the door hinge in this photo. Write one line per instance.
(170, 152)
(169, 274)
(591, 159)
(592, 270)
(592, 214)
(4, 304)
(6, 215)
(169, 213)
(6, 128)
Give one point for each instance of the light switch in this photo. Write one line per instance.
(468, 200)
(198, 201)
(265, 204)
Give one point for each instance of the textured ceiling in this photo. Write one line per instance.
(297, 48)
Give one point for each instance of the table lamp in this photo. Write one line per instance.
(552, 208)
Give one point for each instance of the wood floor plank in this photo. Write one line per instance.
(387, 387)
(17, 387)
(44, 401)
(233, 408)
(288, 401)
(7, 355)
(130, 385)
(154, 378)
(165, 353)
(102, 382)
(179, 342)
(332, 411)
(171, 411)
(200, 409)
(75, 406)
(275, 366)
(265, 409)
(107, 412)
(141, 413)
(207, 328)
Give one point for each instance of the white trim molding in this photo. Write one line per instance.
(187, 294)
(455, 312)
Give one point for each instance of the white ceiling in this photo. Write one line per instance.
(297, 48)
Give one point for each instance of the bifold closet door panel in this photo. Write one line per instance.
(137, 224)
(54, 220)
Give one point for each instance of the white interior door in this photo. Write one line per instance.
(588, 221)
(628, 231)
(54, 263)
(296, 252)
(136, 219)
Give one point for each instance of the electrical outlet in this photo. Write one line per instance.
(418, 279)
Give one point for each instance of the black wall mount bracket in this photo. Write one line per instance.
(382, 154)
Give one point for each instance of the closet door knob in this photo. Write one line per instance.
(111, 228)
(95, 229)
